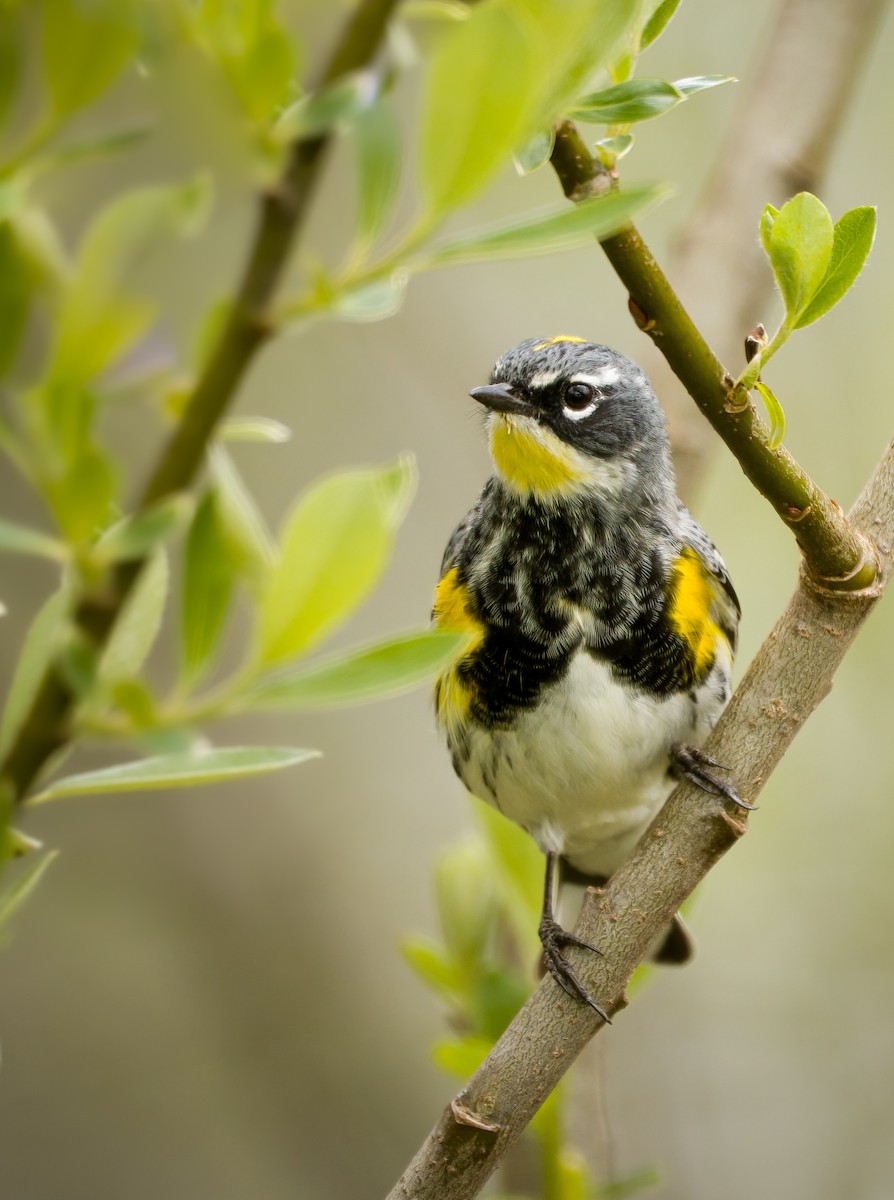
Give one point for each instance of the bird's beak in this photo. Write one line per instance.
(501, 397)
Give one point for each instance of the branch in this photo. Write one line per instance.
(807, 69)
(281, 214)
(836, 554)
(790, 675)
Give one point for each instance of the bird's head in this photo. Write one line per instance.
(569, 417)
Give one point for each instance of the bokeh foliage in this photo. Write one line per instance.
(77, 337)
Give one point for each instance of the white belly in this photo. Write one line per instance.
(587, 771)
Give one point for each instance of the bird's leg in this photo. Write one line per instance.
(701, 769)
(555, 938)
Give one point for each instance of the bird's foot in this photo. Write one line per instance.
(554, 938)
(701, 769)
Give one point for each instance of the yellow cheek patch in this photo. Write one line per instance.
(529, 464)
(563, 337)
(692, 595)
(452, 610)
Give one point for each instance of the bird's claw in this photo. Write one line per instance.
(554, 938)
(696, 766)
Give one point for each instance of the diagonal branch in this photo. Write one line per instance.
(281, 214)
(788, 678)
(836, 553)
(808, 67)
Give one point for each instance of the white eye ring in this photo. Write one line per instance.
(578, 414)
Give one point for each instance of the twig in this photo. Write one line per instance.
(788, 678)
(281, 214)
(836, 554)
(806, 68)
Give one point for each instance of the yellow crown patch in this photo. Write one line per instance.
(562, 337)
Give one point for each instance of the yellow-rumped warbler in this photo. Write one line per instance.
(602, 620)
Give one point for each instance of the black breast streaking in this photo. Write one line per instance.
(549, 580)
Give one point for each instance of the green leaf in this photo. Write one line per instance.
(518, 867)
(136, 701)
(262, 80)
(639, 99)
(334, 546)
(249, 540)
(18, 892)
(18, 539)
(84, 149)
(253, 50)
(335, 106)
(85, 45)
(16, 285)
(768, 220)
(799, 242)
(775, 413)
(465, 896)
(433, 965)
(19, 844)
(497, 995)
(561, 230)
(376, 301)
(177, 771)
(42, 247)
(77, 663)
(97, 322)
(83, 496)
(700, 83)
(462, 1056)
(588, 35)
(377, 141)
(254, 429)
(384, 668)
(397, 486)
(535, 152)
(41, 643)
(473, 112)
(625, 103)
(853, 237)
(133, 537)
(633, 1184)
(138, 625)
(658, 22)
(612, 148)
(209, 574)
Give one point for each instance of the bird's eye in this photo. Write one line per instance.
(579, 396)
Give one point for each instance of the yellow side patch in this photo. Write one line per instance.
(452, 610)
(692, 595)
(529, 465)
(563, 337)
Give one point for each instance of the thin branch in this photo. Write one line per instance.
(807, 68)
(836, 553)
(788, 678)
(281, 214)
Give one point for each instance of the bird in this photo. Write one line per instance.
(600, 621)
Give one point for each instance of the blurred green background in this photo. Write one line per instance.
(205, 997)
